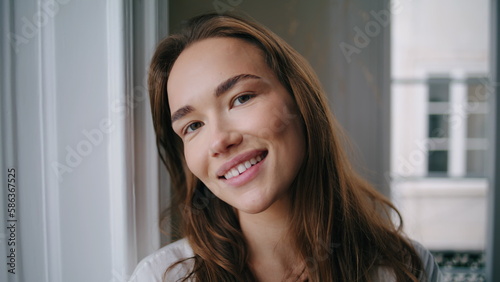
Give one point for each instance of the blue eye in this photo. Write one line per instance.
(193, 126)
(242, 99)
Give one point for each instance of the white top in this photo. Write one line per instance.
(153, 267)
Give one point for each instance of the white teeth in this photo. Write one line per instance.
(242, 167)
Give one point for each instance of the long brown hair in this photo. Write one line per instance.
(341, 224)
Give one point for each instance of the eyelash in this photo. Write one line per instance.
(188, 127)
(249, 96)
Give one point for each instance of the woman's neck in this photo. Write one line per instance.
(271, 247)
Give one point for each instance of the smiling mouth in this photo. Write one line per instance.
(243, 166)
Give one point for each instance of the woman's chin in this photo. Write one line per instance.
(253, 208)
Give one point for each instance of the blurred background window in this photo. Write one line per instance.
(439, 74)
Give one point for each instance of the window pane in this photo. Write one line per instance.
(438, 161)
(476, 90)
(438, 126)
(476, 126)
(476, 163)
(439, 89)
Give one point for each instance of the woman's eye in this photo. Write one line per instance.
(193, 126)
(242, 99)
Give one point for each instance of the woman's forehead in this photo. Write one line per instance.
(217, 54)
(206, 63)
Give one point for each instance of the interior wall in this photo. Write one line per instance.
(347, 43)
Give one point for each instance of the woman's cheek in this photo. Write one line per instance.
(193, 156)
(270, 122)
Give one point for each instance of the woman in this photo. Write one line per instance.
(265, 191)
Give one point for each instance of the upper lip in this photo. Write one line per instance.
(237, 160)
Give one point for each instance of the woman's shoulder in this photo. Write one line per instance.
(431, 269)
(154, 266)
(430, 266)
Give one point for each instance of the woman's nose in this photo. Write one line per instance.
(223, 139)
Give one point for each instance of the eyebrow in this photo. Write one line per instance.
(181, 112)
(221, 89)
(231, 82)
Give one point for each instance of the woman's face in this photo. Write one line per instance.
(242, 133)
